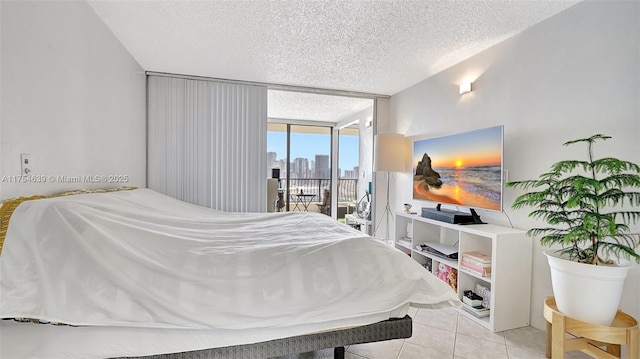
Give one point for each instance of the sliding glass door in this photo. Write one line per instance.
(348, 169)
(303, 156)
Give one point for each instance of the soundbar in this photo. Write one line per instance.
(450, 216)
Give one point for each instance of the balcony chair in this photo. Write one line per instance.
(325, 206)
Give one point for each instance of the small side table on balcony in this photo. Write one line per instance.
(568, 334)
(304, 200)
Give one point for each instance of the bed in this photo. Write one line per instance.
(136, 273)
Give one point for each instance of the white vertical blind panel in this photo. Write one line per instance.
(207, 142)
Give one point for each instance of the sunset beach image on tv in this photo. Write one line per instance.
(462, 169)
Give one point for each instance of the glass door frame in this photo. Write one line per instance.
(380, 119)
(333, 179)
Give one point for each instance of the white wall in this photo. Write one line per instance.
(71, 96)
(568, 77)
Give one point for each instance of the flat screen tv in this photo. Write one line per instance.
(463, 169)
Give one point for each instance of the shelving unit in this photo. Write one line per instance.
(510, 251)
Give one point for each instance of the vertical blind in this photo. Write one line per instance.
(207, 142)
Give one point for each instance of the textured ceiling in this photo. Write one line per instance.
(379, 47)
(313, 107)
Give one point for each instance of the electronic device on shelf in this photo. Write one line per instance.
(450, 216)
(440, 250)
(463, 170)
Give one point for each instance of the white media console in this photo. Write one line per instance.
(510, 251)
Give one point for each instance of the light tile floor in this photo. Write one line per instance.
(446, 334)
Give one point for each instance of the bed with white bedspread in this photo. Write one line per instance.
(135, 273)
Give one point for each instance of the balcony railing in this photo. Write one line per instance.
(347, 188)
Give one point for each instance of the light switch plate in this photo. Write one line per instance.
(25, 163)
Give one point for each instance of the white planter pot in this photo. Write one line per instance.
(587, 292)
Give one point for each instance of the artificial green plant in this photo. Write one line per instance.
(589, 205)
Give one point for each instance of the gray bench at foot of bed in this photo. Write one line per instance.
(338, 339)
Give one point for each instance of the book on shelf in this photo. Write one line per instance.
(475, 262)
(476, 308)
(485, 272)
(478, 311)
(477, 256)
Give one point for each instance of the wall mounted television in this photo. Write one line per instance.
(462, 169)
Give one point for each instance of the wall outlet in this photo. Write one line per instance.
(505, 176)
(25, 164)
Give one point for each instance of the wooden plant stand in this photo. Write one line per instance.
(566, 334)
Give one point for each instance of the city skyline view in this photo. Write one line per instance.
(308, 146)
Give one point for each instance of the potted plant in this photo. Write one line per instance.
(588, 205)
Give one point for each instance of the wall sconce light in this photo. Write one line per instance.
(465, 87)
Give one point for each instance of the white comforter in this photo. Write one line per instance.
(141, 259)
